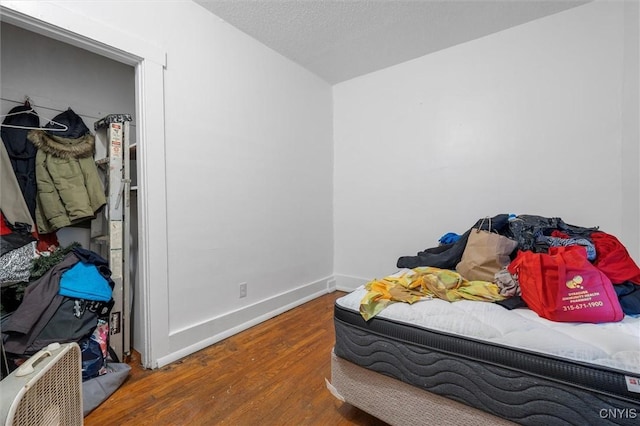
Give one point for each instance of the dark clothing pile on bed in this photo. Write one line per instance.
(538, 234)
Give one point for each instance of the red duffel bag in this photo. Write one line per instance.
(564, 286)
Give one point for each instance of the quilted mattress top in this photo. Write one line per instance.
(613, 345)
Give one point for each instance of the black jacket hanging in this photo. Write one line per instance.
(22, 152)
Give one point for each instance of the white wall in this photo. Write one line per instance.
(631, 129)
(524, 121)
(249, 156)
(249, 173)
(250, 164)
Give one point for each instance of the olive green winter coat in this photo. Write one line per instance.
(69, 187)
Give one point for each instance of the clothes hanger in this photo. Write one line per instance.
(27, 103)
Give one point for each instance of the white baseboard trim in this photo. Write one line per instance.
(226, 325)
(331, 285)
(349, 283)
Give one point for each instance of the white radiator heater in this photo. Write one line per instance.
(45, 390)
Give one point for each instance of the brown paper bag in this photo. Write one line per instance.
(485, 254)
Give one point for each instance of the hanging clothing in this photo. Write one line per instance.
(69, 188)
(12, 203)
(22, 152)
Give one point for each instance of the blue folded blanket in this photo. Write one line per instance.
(83, 281)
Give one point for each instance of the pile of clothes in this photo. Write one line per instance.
(435, 272)
(64, 304)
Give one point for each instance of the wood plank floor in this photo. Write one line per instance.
(272, 374)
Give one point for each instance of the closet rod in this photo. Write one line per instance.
(32, 104)
(29, 103)
(56, 111)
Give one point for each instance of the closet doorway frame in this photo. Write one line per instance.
(54, 20)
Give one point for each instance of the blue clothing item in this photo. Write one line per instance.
(448, 238)
(629, 297)
(84, 281)
(555, 242)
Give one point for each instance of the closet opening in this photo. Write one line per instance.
(55, 70)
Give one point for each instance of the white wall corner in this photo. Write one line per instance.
(331, 285)
(349, 283)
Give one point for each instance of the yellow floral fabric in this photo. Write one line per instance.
(421, 283)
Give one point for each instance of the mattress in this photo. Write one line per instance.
(512, 364)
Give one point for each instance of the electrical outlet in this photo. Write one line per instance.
(243, 290)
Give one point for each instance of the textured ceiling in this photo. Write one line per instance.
(343, 39)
